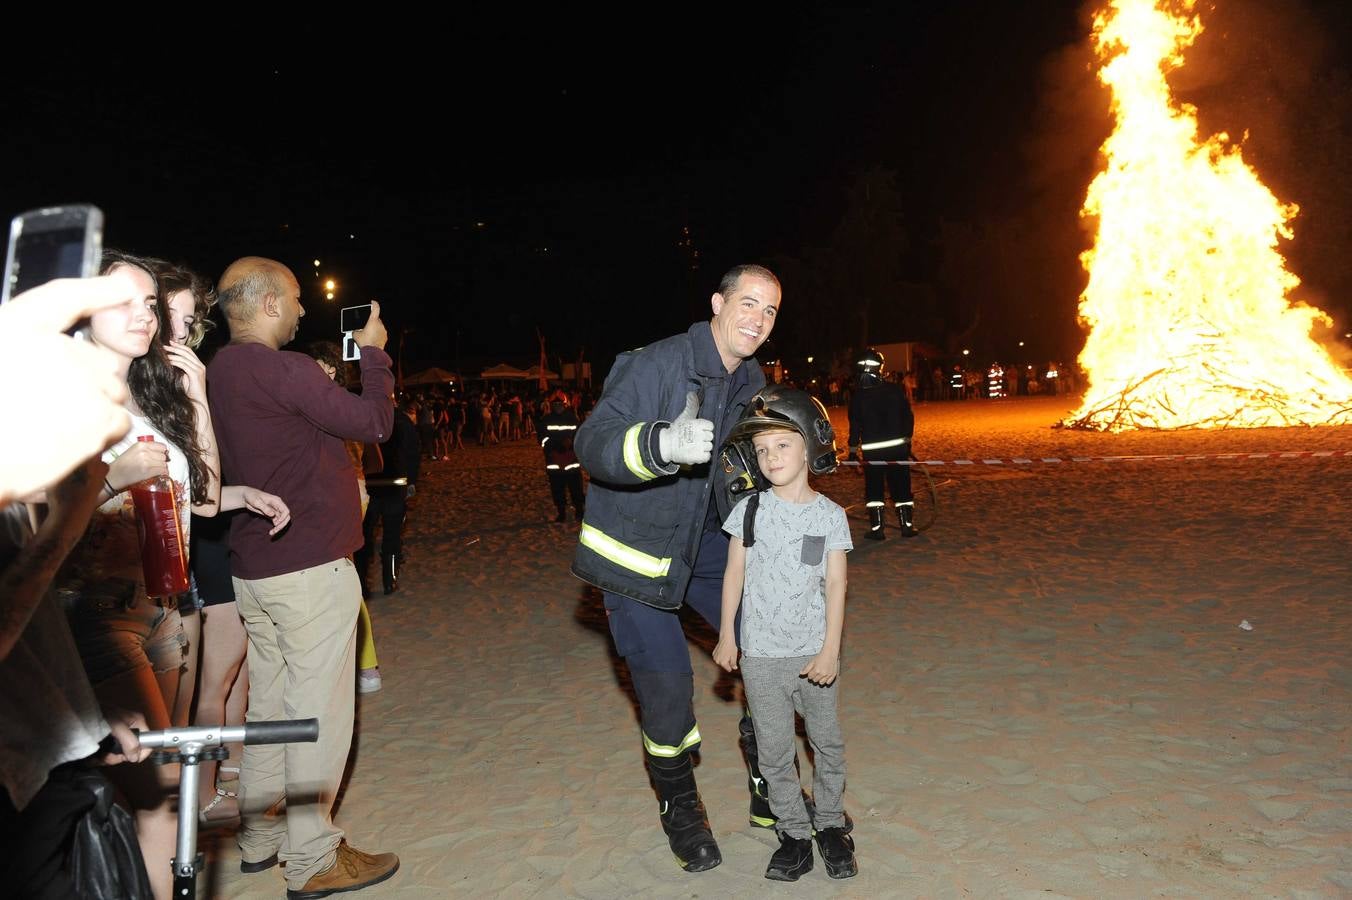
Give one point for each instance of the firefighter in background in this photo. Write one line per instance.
(556, 429)
(995, 381)
(881, 425)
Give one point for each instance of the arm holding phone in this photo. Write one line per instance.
(65, 397)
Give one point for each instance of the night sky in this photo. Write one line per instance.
(592, 176)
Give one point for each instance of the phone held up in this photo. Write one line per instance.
(53, 242)
(352, 319)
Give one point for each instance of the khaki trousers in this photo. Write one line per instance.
(302, 629)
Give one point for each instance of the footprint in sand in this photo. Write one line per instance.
(1112, 866)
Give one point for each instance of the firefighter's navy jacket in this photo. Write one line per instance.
(645, 516)
(881, 421)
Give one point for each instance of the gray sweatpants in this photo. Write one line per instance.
(774, 691)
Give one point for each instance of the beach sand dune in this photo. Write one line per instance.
(1048, 693)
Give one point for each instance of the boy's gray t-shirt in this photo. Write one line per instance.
(784, 591)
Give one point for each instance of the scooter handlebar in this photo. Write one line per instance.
(285, 731)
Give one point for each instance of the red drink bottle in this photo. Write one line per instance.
(164, 557)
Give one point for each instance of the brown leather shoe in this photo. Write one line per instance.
(352, 870)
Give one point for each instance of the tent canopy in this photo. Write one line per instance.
(502, 370)
(433, 375)
(534, 372)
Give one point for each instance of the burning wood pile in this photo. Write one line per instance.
(1191, 325)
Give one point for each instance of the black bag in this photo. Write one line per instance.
(72, 840)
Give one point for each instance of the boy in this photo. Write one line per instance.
(786, 560)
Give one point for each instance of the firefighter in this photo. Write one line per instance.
(653, 541)
(881, 425)
(557, 428)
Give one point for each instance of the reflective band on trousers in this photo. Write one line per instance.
(666, 751)
(621, 554)
(633, 457)
(879, 445)
(552, 466)
(571, 466)
(560, 428)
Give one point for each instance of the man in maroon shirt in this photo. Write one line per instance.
(281, 424)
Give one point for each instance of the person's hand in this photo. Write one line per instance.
(122, 739)
(821, 669)
(77, 495)
(71, 405)
(182, 357)
(141, 461)
(373, 335)
(688, 440)
(269, 506)
(725, 653)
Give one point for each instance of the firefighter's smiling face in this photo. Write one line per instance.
(743, 318)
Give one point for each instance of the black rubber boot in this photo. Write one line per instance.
(761, 816)
(682, 813)
(389, 574)
(875, 524)
(562, 516)
(906, 519)
(792, 860)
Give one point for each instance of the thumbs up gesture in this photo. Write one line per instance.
(689, 439)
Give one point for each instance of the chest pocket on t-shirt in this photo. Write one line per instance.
(814, 547)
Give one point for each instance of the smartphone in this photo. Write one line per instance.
(350, 319)
(55, 242)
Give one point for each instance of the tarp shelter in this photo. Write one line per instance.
(433, 375)
(534, 373)
(504, 371)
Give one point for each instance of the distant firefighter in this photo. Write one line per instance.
(881, 426)
(995, 381)
(556, 429)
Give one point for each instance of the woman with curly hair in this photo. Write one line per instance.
(188, 299)
(211, 623)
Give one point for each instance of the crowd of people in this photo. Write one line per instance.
(269, 617)
(283, 474)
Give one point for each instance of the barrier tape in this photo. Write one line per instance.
(1154, 457)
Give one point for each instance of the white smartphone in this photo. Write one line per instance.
(54, 242)
(352, 319)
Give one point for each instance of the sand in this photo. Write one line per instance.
(1048, 693)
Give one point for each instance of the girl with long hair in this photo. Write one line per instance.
(132, 644)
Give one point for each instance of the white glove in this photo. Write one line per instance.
(688, 440)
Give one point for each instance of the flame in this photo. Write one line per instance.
(1187, 300)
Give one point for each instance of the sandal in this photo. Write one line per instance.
(203, 816)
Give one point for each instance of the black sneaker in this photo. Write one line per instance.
(792, 860)
(837, 849)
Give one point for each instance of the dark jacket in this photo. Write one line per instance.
(558, 430)
(402, 456)
(881, 415)
(645, 516)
